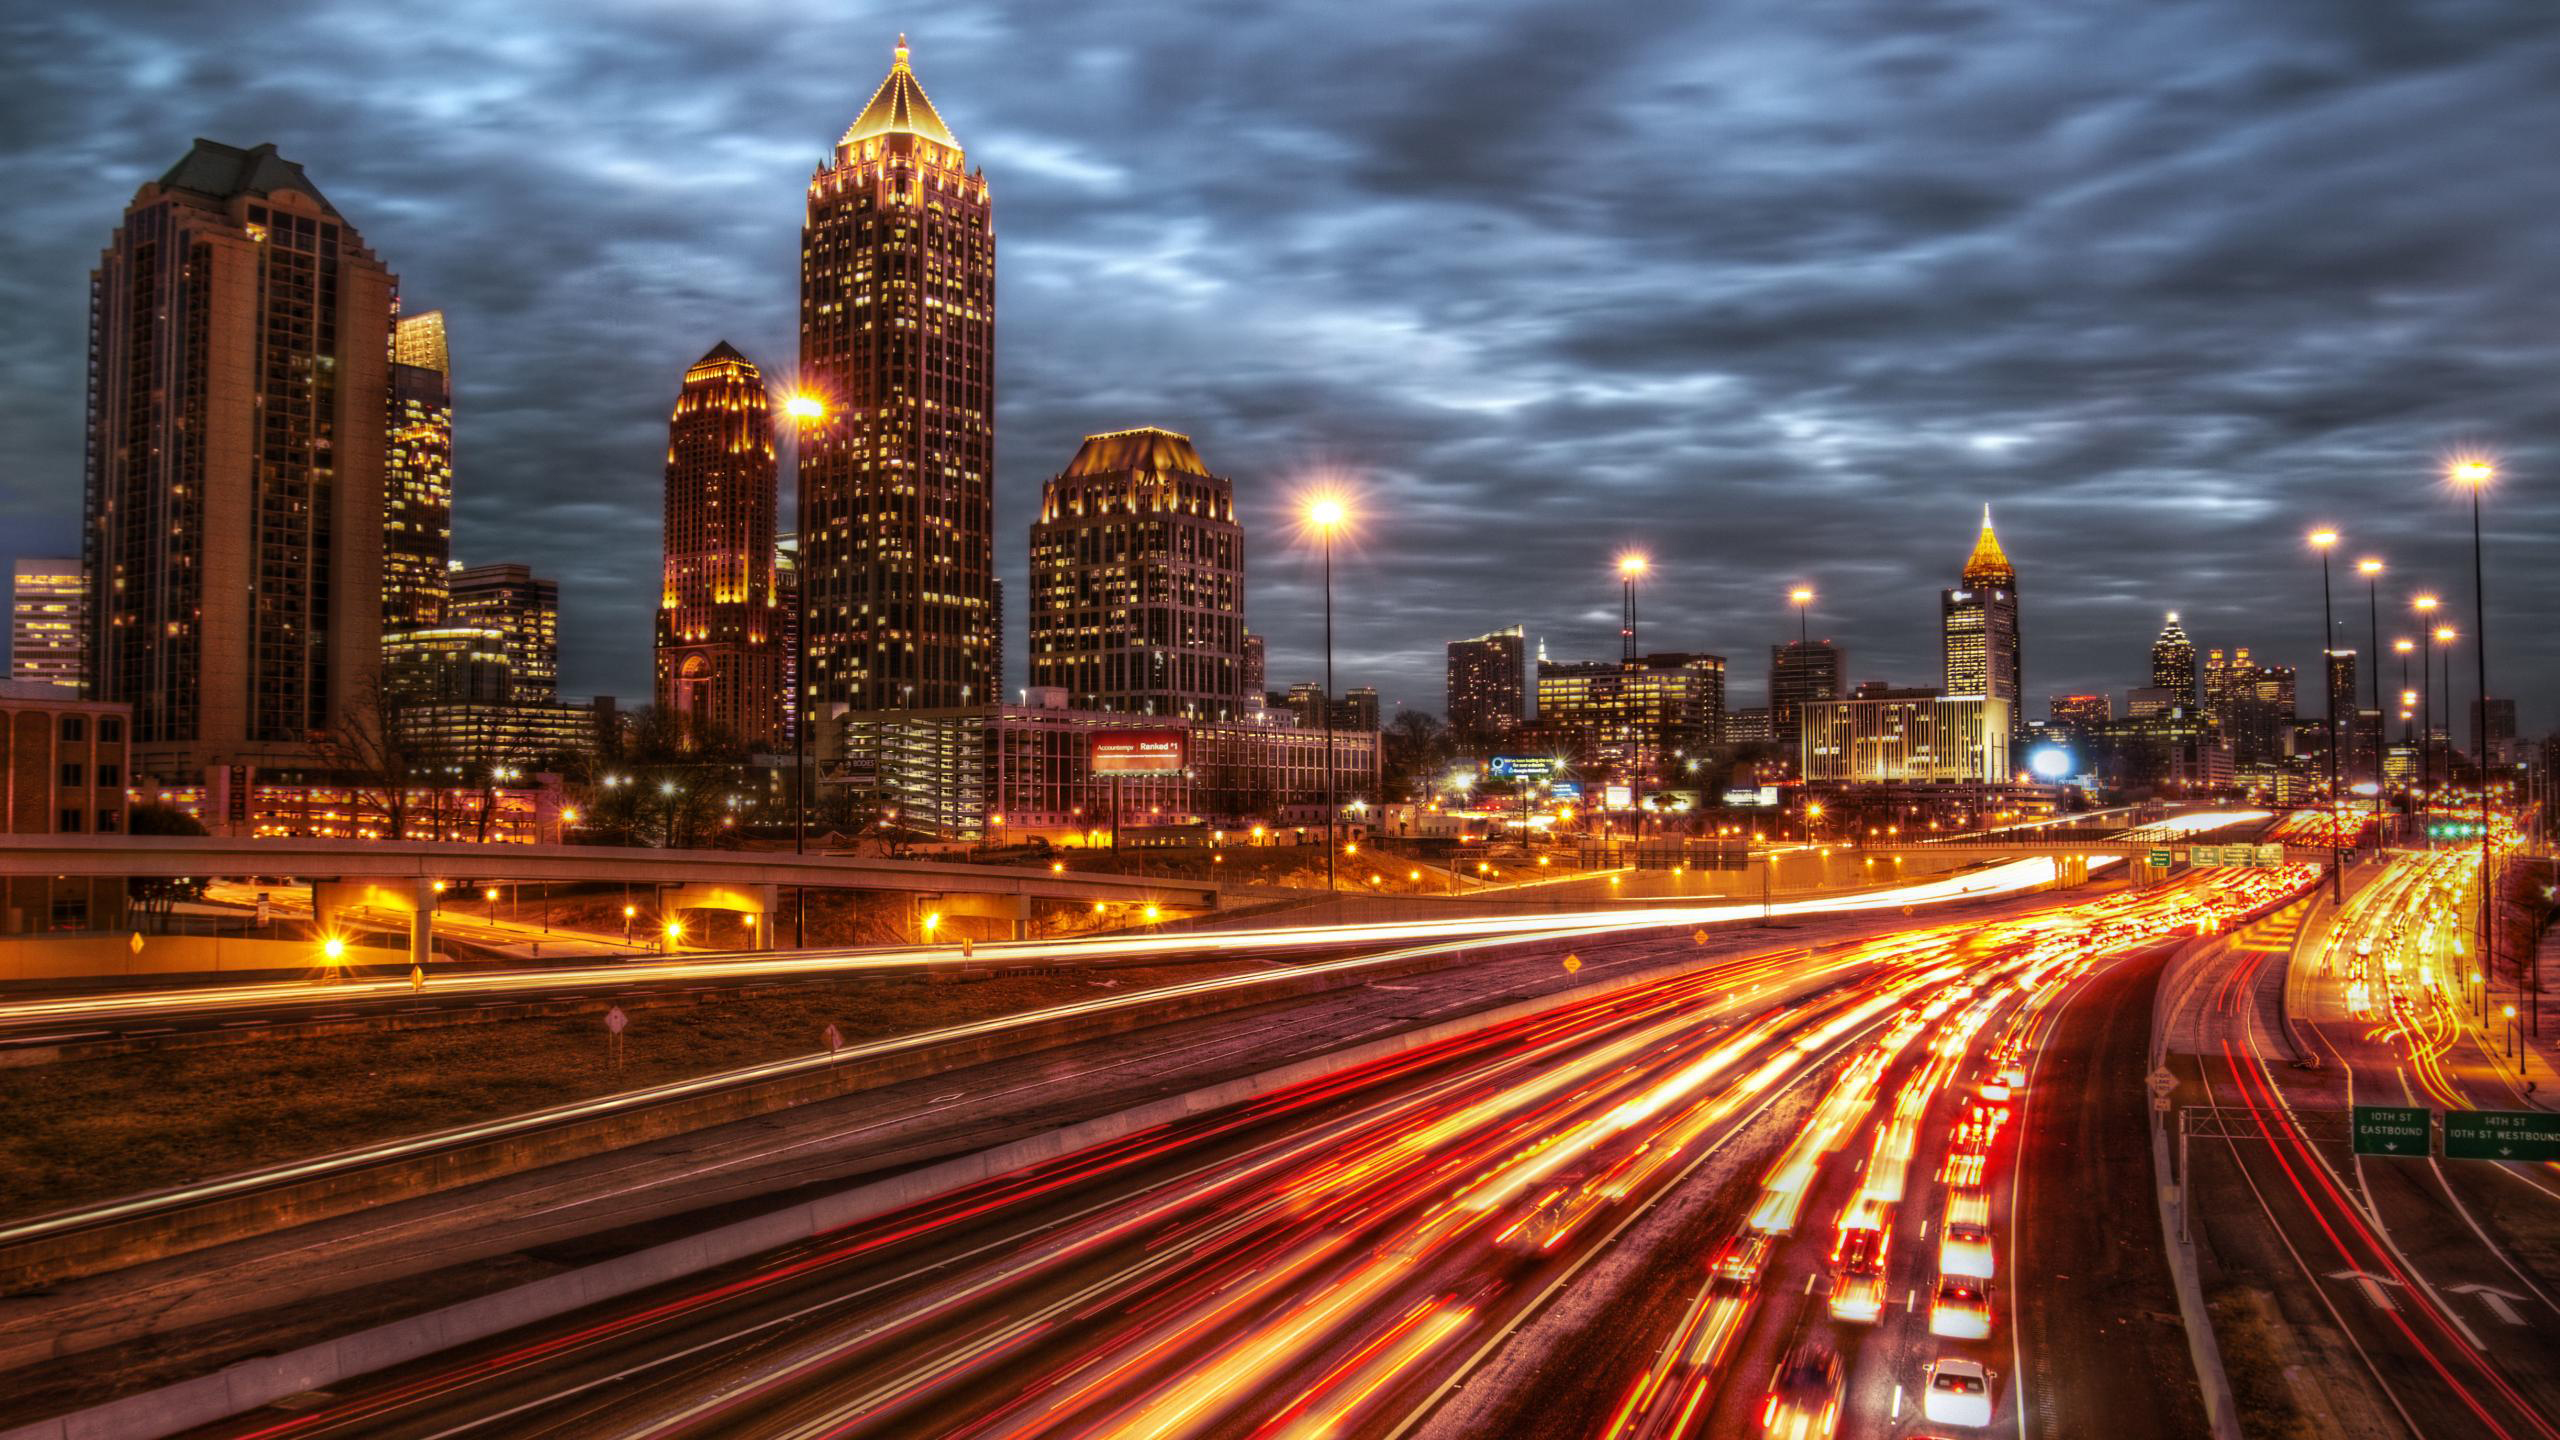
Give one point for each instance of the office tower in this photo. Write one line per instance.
(1642, 717)
(1800, 671)
(2341, 666)
(1488, 683)
(1905, 737)
(524, 608)
(2502, 729)
(417, 481)
(1980, 621)
(1137, 580)
(1307, 703)
(719, 646)
(2083, 711)
(239, 376)
(2173, 662)
(897, 340)
(48, 626)
(2252, 703)
(1357, 709)
(1252, 665)
(786, 593)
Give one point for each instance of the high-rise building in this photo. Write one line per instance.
(2502, 728)
(2083, 711)
(1488, 683)
(1640, 717)
(48, 624)
(1252, 666)
(897, 341)
(524, 608)
(239, 376)
(1800, 672)
(1137, 580)
(1907, 737)
(2173, 662)
(417, 482)
(720, 627)
(2253, 703)
(1980, 621)
(1357, 709)
(786, 599)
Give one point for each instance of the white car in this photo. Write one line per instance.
(1959, 1393)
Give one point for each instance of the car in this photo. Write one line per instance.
(1804, 1396)
(1962, 1310)
(1968, 1205)
(1958, 1393)
(1964, 1248)
(1857, 1274)
(1739, 1265)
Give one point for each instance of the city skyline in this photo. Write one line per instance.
(2203, 495)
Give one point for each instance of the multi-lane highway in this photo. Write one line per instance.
(2417, 1289)
(1377, 1251)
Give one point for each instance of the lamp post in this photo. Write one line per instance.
(1326, 514)
(805, 410)
(1632, 565)
(2475, 475)
(2370, 568)
(2425, 605)
(2324, 541)
(2445, 635)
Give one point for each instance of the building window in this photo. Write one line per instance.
(75, 727)
(110, 822)
(71, 822)
(71, 912)
(74, 775)
(110, 776)
(111, 728)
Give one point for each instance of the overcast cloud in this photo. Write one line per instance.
(1780, 291)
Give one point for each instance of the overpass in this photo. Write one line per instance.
(409, 874)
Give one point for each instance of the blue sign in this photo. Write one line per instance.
(1527, 767)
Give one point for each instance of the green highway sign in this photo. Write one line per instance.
(2159, 857)
(2394, 1130)
(2500, 1135)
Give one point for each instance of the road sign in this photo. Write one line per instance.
(2532, 1135)
(2271, 857)
(2400, 1130)
(1572, 963)
(2159, 858)
(2203, 855)
(615, 1020)
(2162, 1083)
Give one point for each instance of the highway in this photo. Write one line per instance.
(1370, 1252)
(2422, 1288)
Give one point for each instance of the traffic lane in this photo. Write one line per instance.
(2101, 1347)
(448, 1402)
(2424, 1367)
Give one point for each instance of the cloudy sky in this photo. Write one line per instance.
(1780, 290)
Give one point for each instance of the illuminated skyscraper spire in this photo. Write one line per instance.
(1988, 566)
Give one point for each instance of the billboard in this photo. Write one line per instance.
(1620, 797)
(1136, 752)
(1527, 767)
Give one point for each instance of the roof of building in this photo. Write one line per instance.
(1988, 564)
(899, 107)
(722, 353)
(1146, 449)
(226, 172)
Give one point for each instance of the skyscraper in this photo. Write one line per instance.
(1488, 683)
(1137, 580)
(48, 626)
(524, 609)
(239, 359)
(2253, 703)
(1980, 621)
(719, 611)
(417, 485)
(897, 340)
(1252, 665)
(2173, 662)
(1800, 672)
(1643, 718)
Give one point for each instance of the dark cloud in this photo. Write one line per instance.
(1781, 291)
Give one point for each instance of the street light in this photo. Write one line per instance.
(2324, 541)
(1327, 513)
(1802, 598)
(2475, 474)
(1632, 565)
(2370, 567)
(2425, 605)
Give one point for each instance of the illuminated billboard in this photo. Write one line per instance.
(1137, 752)
(1527, 767)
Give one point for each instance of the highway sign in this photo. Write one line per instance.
(2400, 1130)
(2203, 855)
(2532, 1135)
(2271, 857)
(2162, 1083)
(2159, 857)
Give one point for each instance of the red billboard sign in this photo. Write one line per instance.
(1137, 752)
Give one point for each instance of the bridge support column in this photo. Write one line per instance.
(756, 902)
(422, 923)
(1014, 910)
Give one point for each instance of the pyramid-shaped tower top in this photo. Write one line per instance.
(1988, 565)
(899, 107)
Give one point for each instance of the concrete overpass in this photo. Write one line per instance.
(407, 874)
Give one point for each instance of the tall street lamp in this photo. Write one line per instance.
(2475, 475)
(1801, 597)
(805, 410)
(2324, 541)
(2370, 568)
(1632, 565)
(2425, 605)
(1326, 514)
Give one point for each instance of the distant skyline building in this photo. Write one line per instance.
(1801, 672)
(239, 381)
(1253, 664)
(2082, 711)
(1137, 580)
(720, 631)
(2254, 704)
(2173, 662)
(1488, 693)
(48, 623)
(897, 342)
(1979, 620)
(2502, 729)
(1639, 717)
(417, 483)
(524, 609)
(1907, 737)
